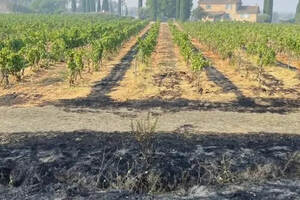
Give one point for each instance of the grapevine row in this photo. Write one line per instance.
(192, 57)
(147, 45)
(107, 44)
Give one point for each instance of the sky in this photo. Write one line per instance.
(281, 6)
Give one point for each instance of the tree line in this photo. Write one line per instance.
(297, 16)
(179, 9)
(58, 6)
(108, 6)
(155, 9)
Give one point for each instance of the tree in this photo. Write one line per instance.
(167, 8)
(84, 5)
(105, 6)
(111, 6)
(18, 8)
(126, 10)
(92, 6)
(155, 9)
(198, 13)
(140, 6)
(49, 6)
(297, 17)
(88, 6)
(73, 5)
(119, 7)
(268, 9)
(185, 9)
(178, 9)
(99, 6)
(161, 9)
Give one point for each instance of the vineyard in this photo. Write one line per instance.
(82, 44)
(95, 106)
(252, 61)
(266, 43)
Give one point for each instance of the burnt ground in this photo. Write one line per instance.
(245, 149)
(97, 165)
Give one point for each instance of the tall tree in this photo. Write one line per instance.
(185, 9)
(105, 6)
(73, 5)
(111, 6)
(182, 9)
(140, 6)
(164, 8)
(119, 7)
(49, 6)
(99, 6)
(297, 16)
(189, 9)
(268, 9)
(84, 5)
(92, 6)
(178, 9)
(155, 10)
(88, 6)
(126, 10)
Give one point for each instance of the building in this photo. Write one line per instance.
(220, 10)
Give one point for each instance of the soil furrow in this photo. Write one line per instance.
(168, 79)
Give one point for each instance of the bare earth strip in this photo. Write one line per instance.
(49, 118)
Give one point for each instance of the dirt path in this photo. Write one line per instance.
(50, 118)
(164, 61)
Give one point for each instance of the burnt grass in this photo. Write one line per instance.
(95, 165)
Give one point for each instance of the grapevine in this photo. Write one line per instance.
(147, 45)
(196, 59)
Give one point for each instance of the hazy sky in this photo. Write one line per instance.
(282, 6)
